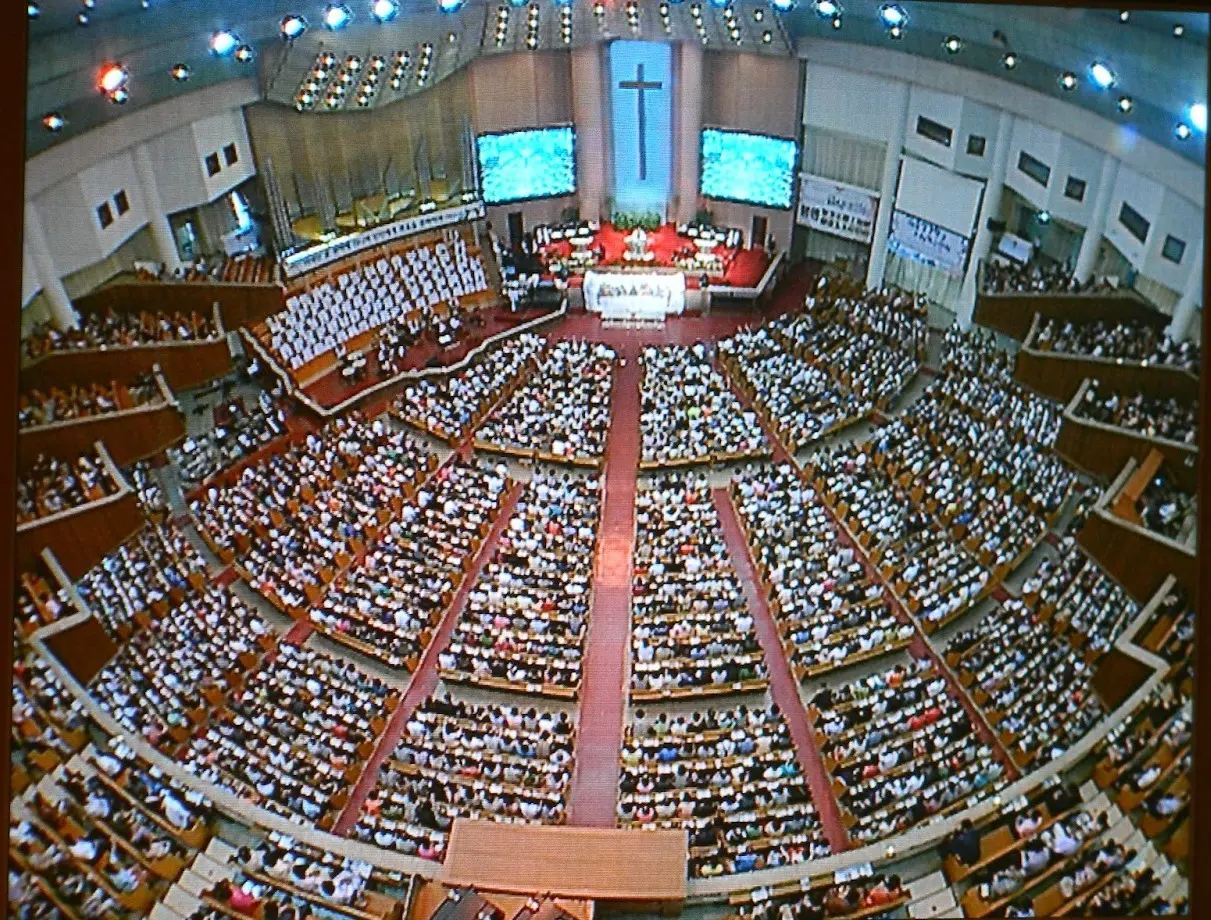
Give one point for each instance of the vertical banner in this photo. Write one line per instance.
(641, 108)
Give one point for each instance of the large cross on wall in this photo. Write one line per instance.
(641, 90)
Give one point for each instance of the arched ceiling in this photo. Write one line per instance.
(1161, 73)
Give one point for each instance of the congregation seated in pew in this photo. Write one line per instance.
(867, 897)
(119, 329)
(148, 488)
(1150, 416)
(689, 414)
(55, 484)
(239, 430)
(77, 401)
(825, 604)
(692, 629)
(1124, 340)
(466, 760)
(1166, 508)
(390, 603)
(563, 411)
(731, 778)
(526, 617)
(452, 407)
(1000, 277)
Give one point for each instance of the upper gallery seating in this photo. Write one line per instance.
(54, 484)
(87, 401)
(1150, 416)
(112, 329)
(1129, 341)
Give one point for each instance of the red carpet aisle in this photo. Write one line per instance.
(425, 679)
(603, 689)
(782, 684)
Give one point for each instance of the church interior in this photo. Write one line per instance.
(541, 459)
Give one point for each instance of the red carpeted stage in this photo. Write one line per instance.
(742, 268)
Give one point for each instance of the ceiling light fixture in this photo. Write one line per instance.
(1125, 104)
(337, 15)
(119, 96)
(1182, 131)
(32, 10)
(953, 44)
(892, 15)
(1044, 217)
(1102, 75)
(896, 31)
(292, 27)
(244, 54)
(1197, 114)
(224, 42)
(82, 18)
(53, 121)
(1010, 60)
(180, 72)
(449, 6)
(827, 8)
(836, 22)
(113, 77)
(1179, 30)
(1068, 80)
(384, 10)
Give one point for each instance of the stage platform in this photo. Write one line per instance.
(570, 862)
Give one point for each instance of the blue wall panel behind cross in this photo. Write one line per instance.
(641, 102)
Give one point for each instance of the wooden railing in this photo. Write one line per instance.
(1013, 314)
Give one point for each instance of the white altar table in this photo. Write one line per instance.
(617, 295)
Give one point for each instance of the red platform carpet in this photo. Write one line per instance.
(743, 267)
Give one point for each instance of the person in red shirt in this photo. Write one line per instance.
(884, 892)
(234, 897)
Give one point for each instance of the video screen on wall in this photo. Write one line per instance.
(750, 168)
(520, 165)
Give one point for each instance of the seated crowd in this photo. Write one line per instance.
(239, 431)
(296, 737)
(1036, 278)
(295, 513)
(53, 484)
(143, 480)
(160, 683)
(904, 750)
(143, 577)
(835, 900)
(975, 354)
(113, 329)
(450, 408)
(1166, 508)
(48, 724)
(689, 412)
(1150, 416)
(466, 760)
(830, 610)
(85, 401)
(692, 631)
(526, 617)
(389, 605)
(321, 319)
(1128, 341)
(731, 778)
(562, 411)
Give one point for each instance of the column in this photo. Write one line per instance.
(157, 220)
(1092, 239)
(688, 115)
(990, 207)
(897, 105)
(1187, 307)
(588, 111)
(62, 314)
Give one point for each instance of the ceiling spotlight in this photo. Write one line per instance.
(827, 8)
(82, 18)
(1179, 30)
(89, 4)
(53, 121)
(1197, 114)
(1124, 15)
(119, 96)
(293, 27)
(598, 9)
(32, 10)
(896, 31)
(449, 6)
(1102, 75)
(767, 36)
(452, 37)
(384, 10)
(1182, 131)
(244, 54)
(1010, 60)
(782, 6)
(180, 72)
(146, 4)
(1044, 217)
(1125, 104)
(337, 15)
(892, 15)
(758, 14)
(836, 22)
(223, 42)
(1068, 80)
(113, 77)
(952, 44)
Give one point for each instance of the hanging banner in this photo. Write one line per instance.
(918, 239)
(842, 210)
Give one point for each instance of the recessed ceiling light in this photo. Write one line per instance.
(1124, 15)
(449, 6)
(337, 16)
(244, 54)
(1044, 217)
(1068, 80)
(758, 14)
(1125, 104)
(783, 6)
(223, 42)
(1182, 131)
(180, 72)
(1102, 75)
(53, 121)
(1179, 30)
(293, 26)
(113, 77)
(90, 4)
(1198, 115)
(1010, 60)
(32, 10)
(892, 15)
(119, 96)
(836, 22)
(767, 36)
(827, 8)
(952, 44)
(896, 31)
(82, 18)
